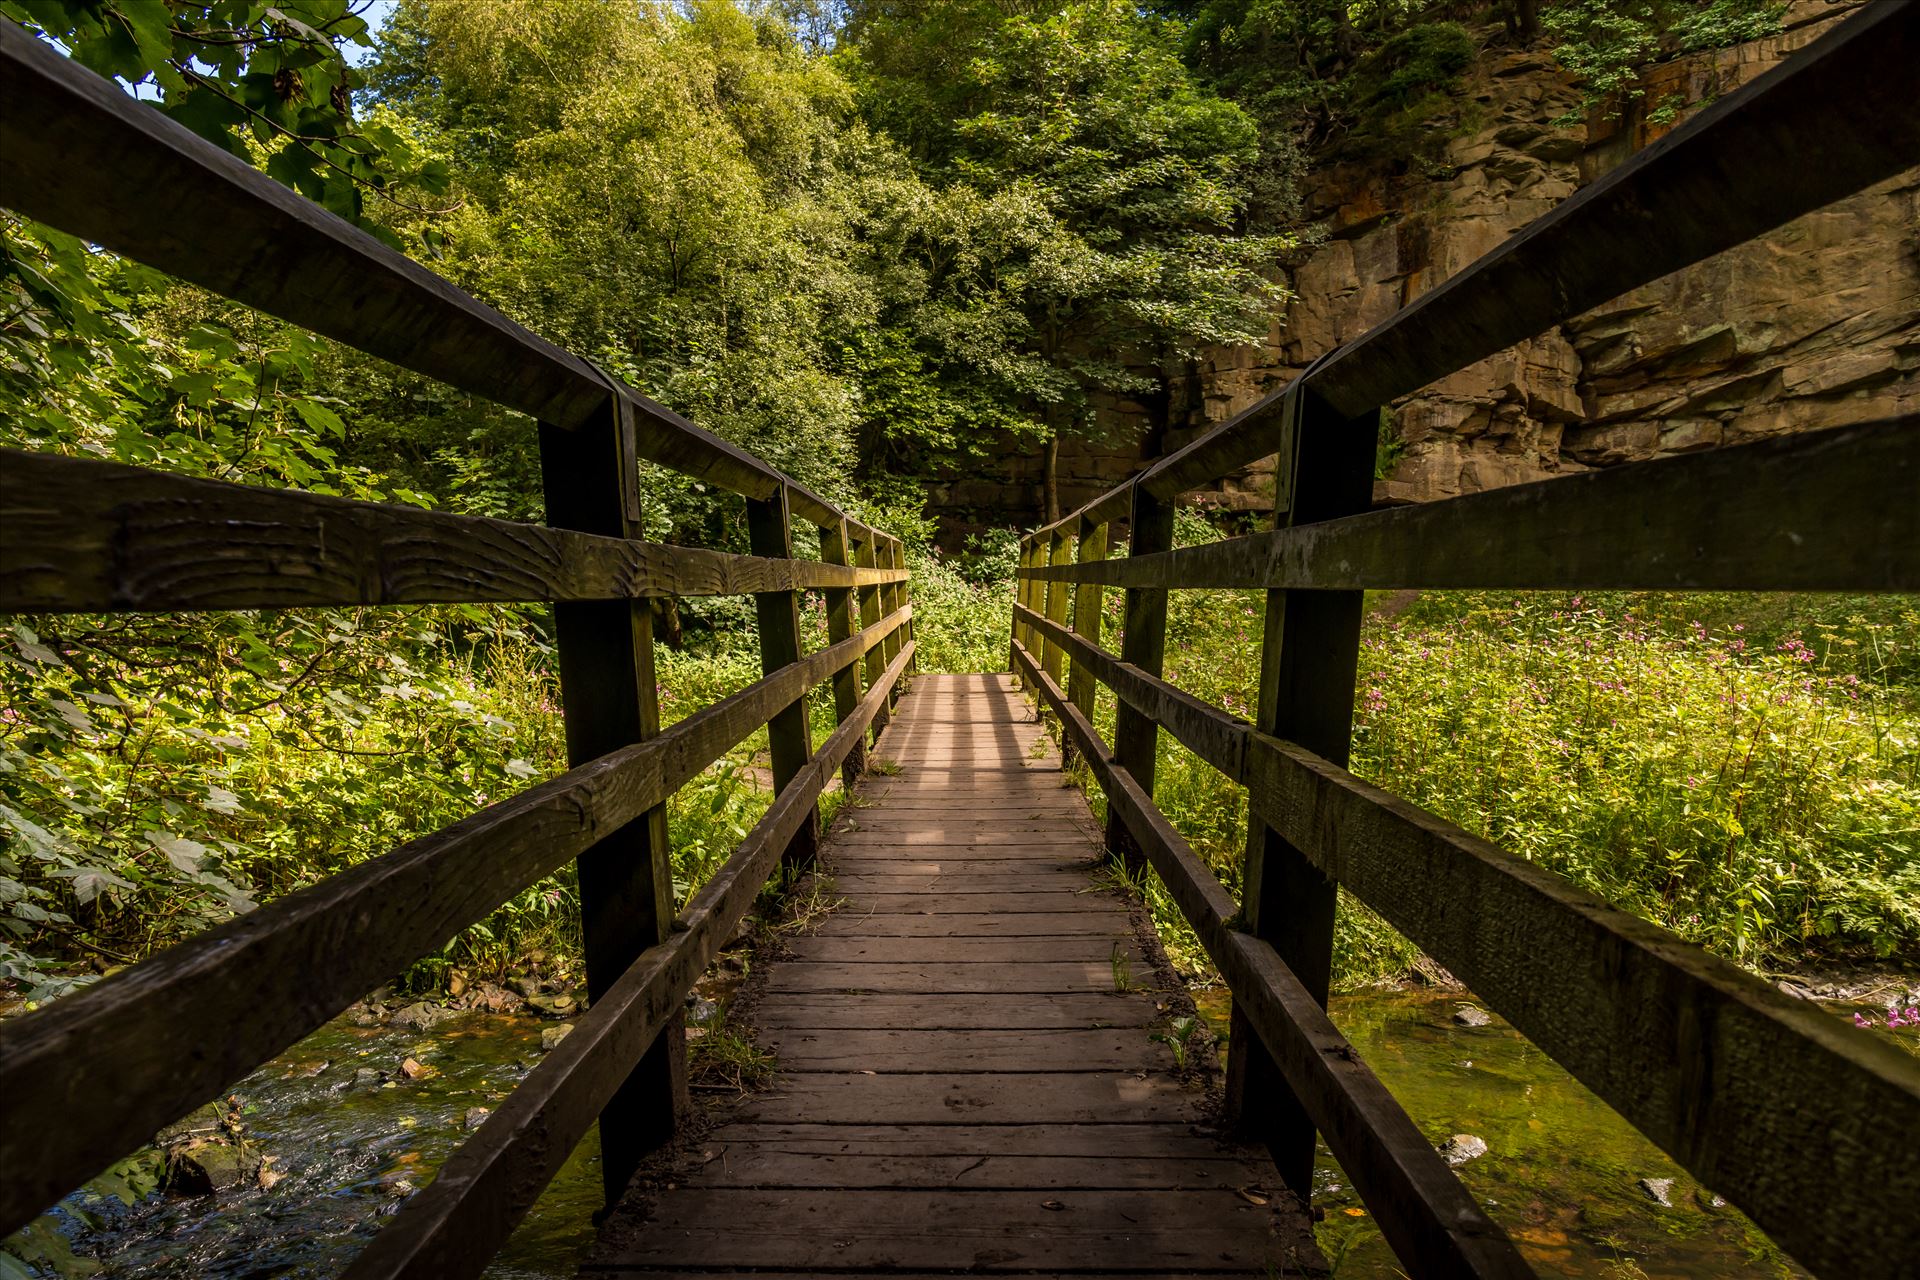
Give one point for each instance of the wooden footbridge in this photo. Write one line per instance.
(962, 1088)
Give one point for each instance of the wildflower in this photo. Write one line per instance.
(1862, 1020)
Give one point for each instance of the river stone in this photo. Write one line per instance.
(1462, 1147)
(475, 1117)
(550, 1037)
(421, 1016)
(554, 1006)
(1658, 1190)
(1471, 1016)
(207, 1122)
(209, 1167)
(367, 1078)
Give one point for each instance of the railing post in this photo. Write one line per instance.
(891, 597)
(1309, 653)
(1136, 738)
(1028, 594)
(1058, 556)
(770, 533)
(1089, 601)
(841, 624)
(866, 557)
(591, 480)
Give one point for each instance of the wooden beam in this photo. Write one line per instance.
(452, 1228)
(1143, 641)
(94, 1075)
(1060, 552)
(789, 734)
(81, 535)
(1695, 1052)
(1309, 651)
(1089, 606)
(867, 554)
(1432, 1222)
(77, 153)
(591, 479)
(1713, 183)
(842, 622)
(1823, 510)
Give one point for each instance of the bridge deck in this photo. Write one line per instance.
(962, 1085)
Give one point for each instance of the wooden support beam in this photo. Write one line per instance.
(1060, 552)
(1143, 642)
(1309, 650)
(1089, 604)
(866, 553)
(591, 479)
(842, 622)
(789, 736)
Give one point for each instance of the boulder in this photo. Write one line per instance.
(1462, 1147)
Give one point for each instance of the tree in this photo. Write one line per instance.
(1087, 201)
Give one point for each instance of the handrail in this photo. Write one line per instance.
(79, 154)
(299, 961)
(1769, 1101)
(1711, 184)
(1387, 1158)
(96, 1074)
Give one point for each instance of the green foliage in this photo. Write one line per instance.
(1609, 45)
(268, 82)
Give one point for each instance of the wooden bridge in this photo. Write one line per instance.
(962, 1087)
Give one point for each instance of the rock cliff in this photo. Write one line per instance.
(1815, 325)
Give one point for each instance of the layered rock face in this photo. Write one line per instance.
(1815, 325)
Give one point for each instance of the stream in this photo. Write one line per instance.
(350, 1135)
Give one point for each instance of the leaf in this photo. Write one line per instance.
(90, 882)
(320, 418)
(221, 800)
(520, 768)
(186, 855)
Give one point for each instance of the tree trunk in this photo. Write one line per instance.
(1051, 476)
(1524, 19)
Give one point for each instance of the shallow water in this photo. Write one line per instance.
(1561, 1172)
(342, 1149)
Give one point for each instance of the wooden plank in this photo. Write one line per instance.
(1814, 511)
(1004, 1098)
(1043, 860)
(857, 885)
(608, 692)
(953, 1051)
(855, 922)
(79, 154)
(1434, 1226)
(958, 1012)
(934, 978)
(455, 1225)
(1072, 949)
(989, 904)
(981, 1231)
(82, 534)
(1689, 1048)
(754, 1164)
(94, 1075)
(1025, 1141)
(777, 613)
(1707, 186)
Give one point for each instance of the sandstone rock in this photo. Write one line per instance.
(550, 1037)
(1462, 1147)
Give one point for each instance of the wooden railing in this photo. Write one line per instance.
(93, 1076)
(1799, 1120)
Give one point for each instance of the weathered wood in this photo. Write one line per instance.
(1089, 603)
(1060, 551)
(1689, 1048)
(1310, 647)
(1087, 949)
(988, 1231)
(866, 555)
(82, 534)
(591, 480)
(1433, 1224)
(1143, 643)
(94, 1075)
(757, 1164)
(990, 904)
(77, 153)
(1819, 511)
(842, 622)
(911, 1051)
(1709, 185)
(951, 925)
(1026, 979)
(1011, 1097)
(454, 1226)
(960, 1012)
(789, 736)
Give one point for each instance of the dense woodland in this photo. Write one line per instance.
(865, 240)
